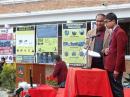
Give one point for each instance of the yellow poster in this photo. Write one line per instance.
(47, 44)
(47, 40)
(25, 40)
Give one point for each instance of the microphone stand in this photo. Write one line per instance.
(31, 81)
(88, 66)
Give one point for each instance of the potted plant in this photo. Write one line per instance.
(51, 81)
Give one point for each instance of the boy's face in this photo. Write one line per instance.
(109, 23)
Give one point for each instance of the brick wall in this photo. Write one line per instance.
(56, 4)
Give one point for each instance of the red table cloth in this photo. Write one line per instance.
(127, 92)
(91, 82)
(41, 91)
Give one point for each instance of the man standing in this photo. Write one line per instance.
(115, 55)
(98, 43)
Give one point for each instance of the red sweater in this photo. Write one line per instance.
(115, 60)
(60, 71)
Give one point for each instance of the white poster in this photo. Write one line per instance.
(8, 58)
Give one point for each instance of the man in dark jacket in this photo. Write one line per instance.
(115, 55)
(60, 71)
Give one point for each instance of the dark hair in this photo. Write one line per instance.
(57, 57)
(3, 58)
(100, 14)
(111, 16)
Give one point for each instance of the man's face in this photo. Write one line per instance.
(100, 22)
(109, 23)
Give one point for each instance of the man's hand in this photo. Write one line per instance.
(106, 51)
(115, 74)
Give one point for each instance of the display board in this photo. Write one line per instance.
(73, 41)
(25, 44)
(46, 42)
(6, 44)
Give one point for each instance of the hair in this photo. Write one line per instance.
(3, 58)
(101, 14)
(57, 57)
(111, 16)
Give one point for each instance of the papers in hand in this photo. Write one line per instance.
(84, 51)
(91, 53)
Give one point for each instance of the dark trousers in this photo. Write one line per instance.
(97, 63)
(116, 85)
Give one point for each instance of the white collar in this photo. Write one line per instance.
(114, 27)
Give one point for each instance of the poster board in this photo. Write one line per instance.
(73, 41)
(25, 44)
(46, 42)
(6, 44)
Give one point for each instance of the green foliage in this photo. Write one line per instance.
(50, 80)
(8, 76)
(52, 83)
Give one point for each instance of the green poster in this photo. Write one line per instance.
(73, 40)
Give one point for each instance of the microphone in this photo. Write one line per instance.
(97, 35)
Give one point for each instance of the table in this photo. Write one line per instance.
(41, 91)
(91, 82)
(127, 92)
